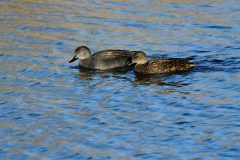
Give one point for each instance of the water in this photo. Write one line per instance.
(51, 110)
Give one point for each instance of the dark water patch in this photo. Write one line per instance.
(17, 118)
(191, 58)
(134, 122)
(3, 116)
(214, 27)
(216, 61)
(228, 49)
(187, 114)
(35, 84)
(182, 123)
(143, 155)
(3, 102)
(232, 153)
(218, 27)
(34, 115)
(60, 43)
(208, 140)
(71, 156)
(173, 137)
(237, 48)
(74, 67)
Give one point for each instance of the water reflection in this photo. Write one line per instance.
(159, 79)
(86, 74)
(125, 74)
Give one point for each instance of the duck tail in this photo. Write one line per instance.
(192, 66)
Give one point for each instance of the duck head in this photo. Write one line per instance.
(81, 53)
(139, 58)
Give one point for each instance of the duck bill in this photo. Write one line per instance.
(130, 64)
(74, 59)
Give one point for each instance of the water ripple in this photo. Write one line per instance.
(54, 110)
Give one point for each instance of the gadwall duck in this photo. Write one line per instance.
(159, 65)
(102, 60)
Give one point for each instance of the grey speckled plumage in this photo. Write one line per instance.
(159, 65)
(103, 60)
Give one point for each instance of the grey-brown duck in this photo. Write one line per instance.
(159, 65)
(102, 60)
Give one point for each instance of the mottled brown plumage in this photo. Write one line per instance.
(159, 65)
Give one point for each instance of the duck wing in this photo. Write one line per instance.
(171, 64)
(112, 54)
(110, 59)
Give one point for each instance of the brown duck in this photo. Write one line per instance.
(159, 65)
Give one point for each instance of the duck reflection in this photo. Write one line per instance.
(89, 74)
(157, 79)
(134, 78)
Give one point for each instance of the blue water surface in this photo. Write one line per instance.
(49, 109)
